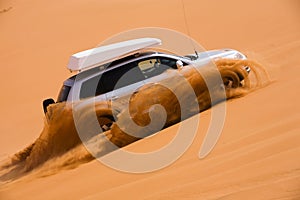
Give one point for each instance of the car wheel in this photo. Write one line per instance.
(230, 79)
(106, 122)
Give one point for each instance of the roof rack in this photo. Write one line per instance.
(97, 56)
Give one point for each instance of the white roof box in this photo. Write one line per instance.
(101, 55)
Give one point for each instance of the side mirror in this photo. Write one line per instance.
(179, 64)
(46, 103)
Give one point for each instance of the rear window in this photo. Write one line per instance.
(63, 94)
(65, 89)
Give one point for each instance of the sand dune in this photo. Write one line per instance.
(257, 156)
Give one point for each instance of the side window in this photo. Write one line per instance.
(169, 62)
(121, 77)
(111, 80)
(154, 66)
(147, 64)
(91, 87)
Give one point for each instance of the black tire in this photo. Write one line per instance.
(106, 122)
(230, 79)
(241, 73)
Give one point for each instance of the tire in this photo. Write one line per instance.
(106, 122)
(241, 73)
(230, 79)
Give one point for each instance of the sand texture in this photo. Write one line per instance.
(257, 155)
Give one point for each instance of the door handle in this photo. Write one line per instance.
(114, 97)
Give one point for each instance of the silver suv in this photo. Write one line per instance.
(112, 77)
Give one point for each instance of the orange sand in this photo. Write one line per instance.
(257, 156)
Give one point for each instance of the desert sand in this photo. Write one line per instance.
(257, 155)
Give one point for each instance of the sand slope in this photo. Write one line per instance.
(257, 156)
